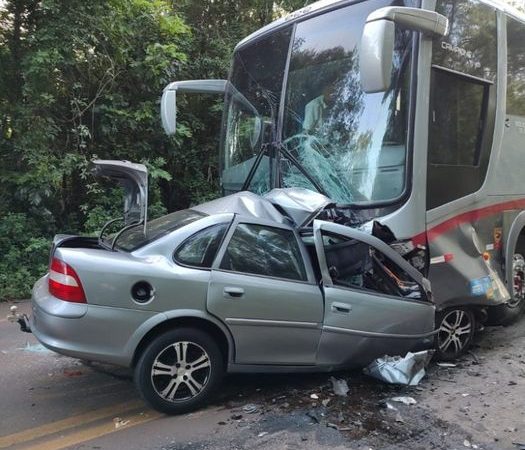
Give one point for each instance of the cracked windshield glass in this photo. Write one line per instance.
(336, 139)
(352, 144)
(252, 106)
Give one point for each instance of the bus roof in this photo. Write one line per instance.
(326, 5)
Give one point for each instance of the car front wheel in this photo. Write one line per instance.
(179, 370)
(456, 332)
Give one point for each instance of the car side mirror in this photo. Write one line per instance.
(168, 104)
(378, 39)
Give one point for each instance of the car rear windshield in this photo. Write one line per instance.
(135, 238)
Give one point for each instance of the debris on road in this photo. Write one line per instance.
(398, 370)
(250, 408)
(35, 348)
(399, 418)
(337, 427)
(405, 400)
(339, 386)
(387, 405)
(446, 365)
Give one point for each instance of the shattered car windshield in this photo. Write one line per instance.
(333, 138)
(135, 238)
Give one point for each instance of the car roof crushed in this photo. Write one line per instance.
(293, 206)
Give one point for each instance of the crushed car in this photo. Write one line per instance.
(244, 283)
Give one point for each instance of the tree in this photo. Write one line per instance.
(78, 79)
(84, 78)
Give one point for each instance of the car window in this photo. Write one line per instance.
(135, 238)
(263, 250)
(355, 264)
(200, 249)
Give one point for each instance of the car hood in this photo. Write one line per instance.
(134, 180)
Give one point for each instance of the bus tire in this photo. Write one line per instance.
(511, 311)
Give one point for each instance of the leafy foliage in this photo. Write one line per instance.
(80, 80)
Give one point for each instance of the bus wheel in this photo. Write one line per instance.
(516, 304)
(510, 312)
(456, 331)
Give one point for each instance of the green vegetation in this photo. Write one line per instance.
(83, 79)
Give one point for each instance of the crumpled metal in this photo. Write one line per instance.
(408, 370)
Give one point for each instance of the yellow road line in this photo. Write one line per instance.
(94, 432)
(64, 424)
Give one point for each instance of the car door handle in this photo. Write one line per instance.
(341, 308)
(233, 292)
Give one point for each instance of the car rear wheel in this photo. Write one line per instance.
(179, 370)
(456, 332)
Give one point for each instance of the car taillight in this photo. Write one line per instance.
(64, 282)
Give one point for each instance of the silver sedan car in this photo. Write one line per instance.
(244, 283)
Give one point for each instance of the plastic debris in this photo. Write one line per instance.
(404, 400)
(314, 397)
(339, 386)
(408, 370)
(262, 433)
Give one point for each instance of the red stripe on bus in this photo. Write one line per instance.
(466, 217)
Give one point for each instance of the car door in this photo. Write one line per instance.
(263, 287)
(376, 303)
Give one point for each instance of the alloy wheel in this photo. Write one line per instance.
(455, 332)
(180, 371)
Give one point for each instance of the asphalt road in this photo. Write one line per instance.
(48, 401)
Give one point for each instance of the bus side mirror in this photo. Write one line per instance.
(168, 104)
(378, 39)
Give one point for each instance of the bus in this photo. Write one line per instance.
(410, 116)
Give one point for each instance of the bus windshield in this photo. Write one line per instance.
(333, 137)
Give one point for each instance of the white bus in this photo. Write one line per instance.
(410, 116)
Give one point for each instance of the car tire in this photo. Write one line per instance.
(512, 311)
(179, 370)
(457, 327)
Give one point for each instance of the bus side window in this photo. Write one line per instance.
(462, 102)
(515, 68)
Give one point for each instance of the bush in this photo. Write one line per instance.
(25, 251)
